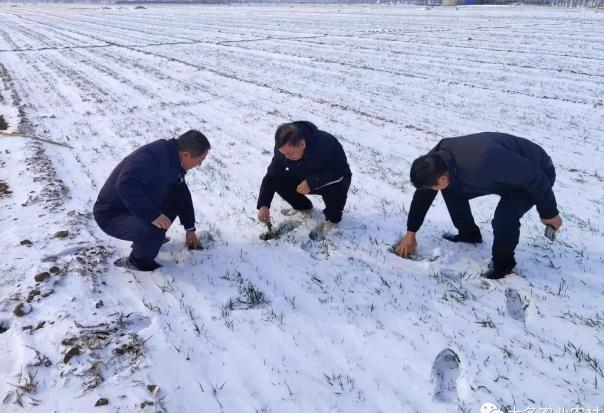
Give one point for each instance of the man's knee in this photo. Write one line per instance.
(151, 235)
(295, 199)
(509, 212)
(304, 204)
(156, 234)
(503, 224)
(148, 242)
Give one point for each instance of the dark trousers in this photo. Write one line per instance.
(334, 196)
(506, 220)
(146, 238)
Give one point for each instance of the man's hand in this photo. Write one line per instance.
(192, 240)
(264, 215)
(555, 222)
(162, 222)
(303, 188)
(407, 245)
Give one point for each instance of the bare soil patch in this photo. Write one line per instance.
(4, 189)
(3, 124)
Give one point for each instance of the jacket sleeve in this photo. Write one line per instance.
(186, 212)
(422, 200)
(138, 173)
(516, 171)
(268, 185)
(336, 168)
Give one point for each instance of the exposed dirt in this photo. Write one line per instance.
(62, 234)
(72, 352)
(4, 326)
(92, 260)
(4, 189)
(101, 402)
(22, 309)
(113, 341)
(32, 328)
(32, 294)
(54, 191)
(43, 276)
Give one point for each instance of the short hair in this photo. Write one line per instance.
(426, 170)
(290, 133)
(193, 142)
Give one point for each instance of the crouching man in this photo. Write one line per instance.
(466, 167)
(306, 161)
(145, 193)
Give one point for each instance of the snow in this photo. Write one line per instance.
(291, 325)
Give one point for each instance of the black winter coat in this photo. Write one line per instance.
(143, 181)
(491, 163)
(324, 163)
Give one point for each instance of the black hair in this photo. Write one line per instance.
(193, 142)
(290, 133)
(426, 170)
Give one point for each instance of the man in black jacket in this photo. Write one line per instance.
(145, 192)
(466, 167)
(306, 161)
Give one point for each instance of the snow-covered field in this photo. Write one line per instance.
(291, 325)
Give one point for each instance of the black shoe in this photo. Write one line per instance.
(134, 264)
(494, 273)
(468, 238)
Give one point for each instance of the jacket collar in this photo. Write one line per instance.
(311, 135)
(174, 159)
(451, 166)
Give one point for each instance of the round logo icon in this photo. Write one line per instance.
(489, 408)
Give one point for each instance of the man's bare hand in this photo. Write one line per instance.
(192, 240)
(555, 222)
(162, 222)
(407, 246)
(264, 215)
(303, 188)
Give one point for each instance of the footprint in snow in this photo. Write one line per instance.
(515, 305)
(318, 250)
(445, 373)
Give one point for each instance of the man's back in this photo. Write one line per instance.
(141, 182)
(492, 162)
(470, 151)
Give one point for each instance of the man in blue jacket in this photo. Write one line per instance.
(306, 161)
(145, 193)
(466, 167)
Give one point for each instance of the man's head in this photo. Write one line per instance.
(193, 147)
(429, 171)
(290, 140)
